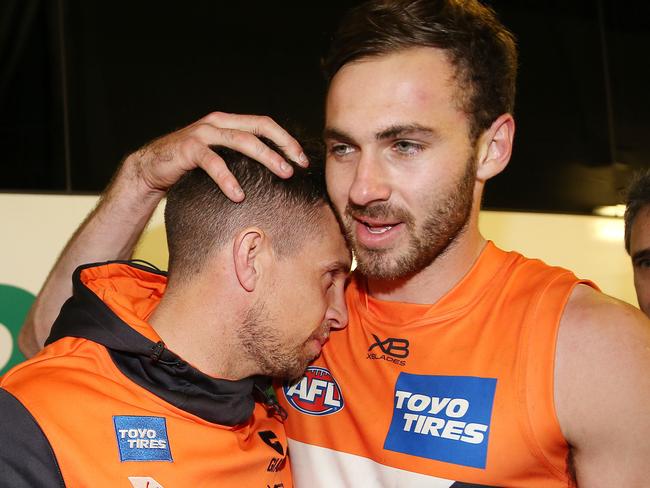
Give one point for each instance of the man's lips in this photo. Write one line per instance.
(322, 336)
(374, 232)
(377, 226)
(319, 341)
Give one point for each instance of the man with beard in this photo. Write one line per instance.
(153, 382)
(463, 365)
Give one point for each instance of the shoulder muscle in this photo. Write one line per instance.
(602, 388)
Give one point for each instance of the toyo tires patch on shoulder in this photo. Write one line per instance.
(142, 438)
(446, 418)
(316, 393)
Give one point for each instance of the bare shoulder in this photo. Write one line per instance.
(593, 320)
(602, 386)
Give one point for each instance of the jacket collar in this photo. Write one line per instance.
(147, 362)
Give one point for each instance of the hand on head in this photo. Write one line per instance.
(163, 161)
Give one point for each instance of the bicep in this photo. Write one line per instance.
(602, 390)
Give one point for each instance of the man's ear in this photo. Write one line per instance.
(495, 147)
(248, 249)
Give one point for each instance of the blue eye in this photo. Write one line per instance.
(340, 149)
(408, 147)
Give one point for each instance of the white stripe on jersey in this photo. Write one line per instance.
(319, 467)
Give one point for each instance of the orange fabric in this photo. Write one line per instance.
(497, 326)
(131, 293)
(73, 389)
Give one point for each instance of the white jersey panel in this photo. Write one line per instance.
(340, 469)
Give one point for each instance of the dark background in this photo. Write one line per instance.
(83, 83)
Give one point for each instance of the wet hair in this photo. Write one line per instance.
(482, 51)
(637, 197)
(200, 219)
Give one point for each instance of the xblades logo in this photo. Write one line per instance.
(393, 350)
(398, 348)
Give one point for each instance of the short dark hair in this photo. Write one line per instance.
(482, 51)
(200, 219)
(637, 197)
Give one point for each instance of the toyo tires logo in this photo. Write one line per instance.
(445, 418)
(316, 393)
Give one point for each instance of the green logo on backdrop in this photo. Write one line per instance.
(14, 305)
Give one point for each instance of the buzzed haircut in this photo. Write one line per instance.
(200, 219)
(637, 197)
(482, 51)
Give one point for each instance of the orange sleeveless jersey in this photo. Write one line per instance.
(107, 431)
(455, 394)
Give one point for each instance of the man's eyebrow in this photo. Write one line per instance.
(391, 132)
(332, 133)
(400, 130)
(642, 254)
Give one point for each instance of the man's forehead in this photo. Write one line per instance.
(426, 69)
(337, 254)
(329, 245)
(399, 89)
(327, 257)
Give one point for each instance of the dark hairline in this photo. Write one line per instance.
(637, 198)
(288, 210)
(469, 91)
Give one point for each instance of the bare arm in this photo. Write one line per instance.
(113, 228)
(603, 390)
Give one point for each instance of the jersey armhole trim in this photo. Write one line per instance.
(524, 374)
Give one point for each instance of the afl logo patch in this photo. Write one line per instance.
(316, 393)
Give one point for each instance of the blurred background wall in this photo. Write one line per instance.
(36, 227)
(82, 83)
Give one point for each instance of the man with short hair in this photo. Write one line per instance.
(463, 365)
(162, 382)
(637, 236)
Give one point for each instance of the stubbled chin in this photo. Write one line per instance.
(379, 264)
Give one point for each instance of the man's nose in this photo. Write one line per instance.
(370, 182)
(337, 312)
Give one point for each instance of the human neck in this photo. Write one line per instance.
(187, 323)
(436, 280)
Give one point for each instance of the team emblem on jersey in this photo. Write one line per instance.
(446, 418)
(144, 482)
(316, 393)
(142, 438)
